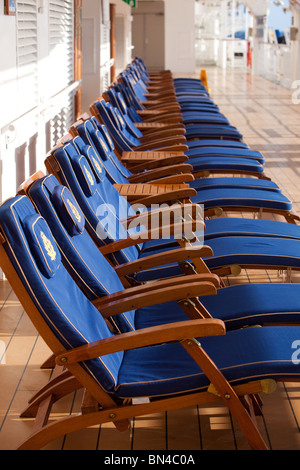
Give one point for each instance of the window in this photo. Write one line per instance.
(27, 54)
(61, 45)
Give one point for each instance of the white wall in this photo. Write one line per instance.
(96, 47)
(180, 35)
(91, 25)
(8, 71)
(31, 98)
(123, 35)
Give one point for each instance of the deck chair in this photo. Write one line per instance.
(195, 105)
(96, 136)
(126, 142)
(203, 113)
(233, 163)
(238, 307)
(253, 195)
(170, 168)
(123, 131)
(133, 103)
(100, 109)
(143, 87)
(115, 368)
(143, 118)
(143, 114)
(200, 114)
(228, 252)
(92, 132)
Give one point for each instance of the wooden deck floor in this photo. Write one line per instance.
(264, 113)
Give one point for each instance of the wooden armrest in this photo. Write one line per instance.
(144, 337)
(160, 259)
(147, 194)
(174, 179)
(165, 118)
(151, 287)
(167, 106)
(153, 164)
(158, 144)
(159, 172)
(169, 197)
(176, 212)
(187, 290)
(161, 134)
(145, 156)
(157, 113)
(153, 234)
(140, 161)
(148, 127)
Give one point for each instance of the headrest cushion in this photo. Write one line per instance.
(85, 175)
(96, 164)
(42, 245)
(68, 210)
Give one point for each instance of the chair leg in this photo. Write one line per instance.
(59, 374)
(49, 363)
(227, 394)
(59, 388)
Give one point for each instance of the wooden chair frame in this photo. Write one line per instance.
(108, 409)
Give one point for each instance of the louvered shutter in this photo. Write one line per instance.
(61, 66)
(27, 54)
(61, 45)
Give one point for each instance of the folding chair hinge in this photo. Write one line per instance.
(187, 302)
(235, 269)
(212, 389)
(268, 386)
(186, 264)
(218, 211)
(184, 239)
(191, 341)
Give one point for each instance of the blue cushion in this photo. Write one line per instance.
(79, 253)
(206, 142)
(238, 306)
(98, 143)
(215, 163)
(107, 136)
(95, 163)
(194, 131)
(229, 226)
(85, 175)
(42, 245)
(168, 369)
(103, 209)
(68, 210)
(224, 152)
(238, 197)
(58, 299)
(190, 117)
(109, 121)
(234, 182)
(263, 251)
